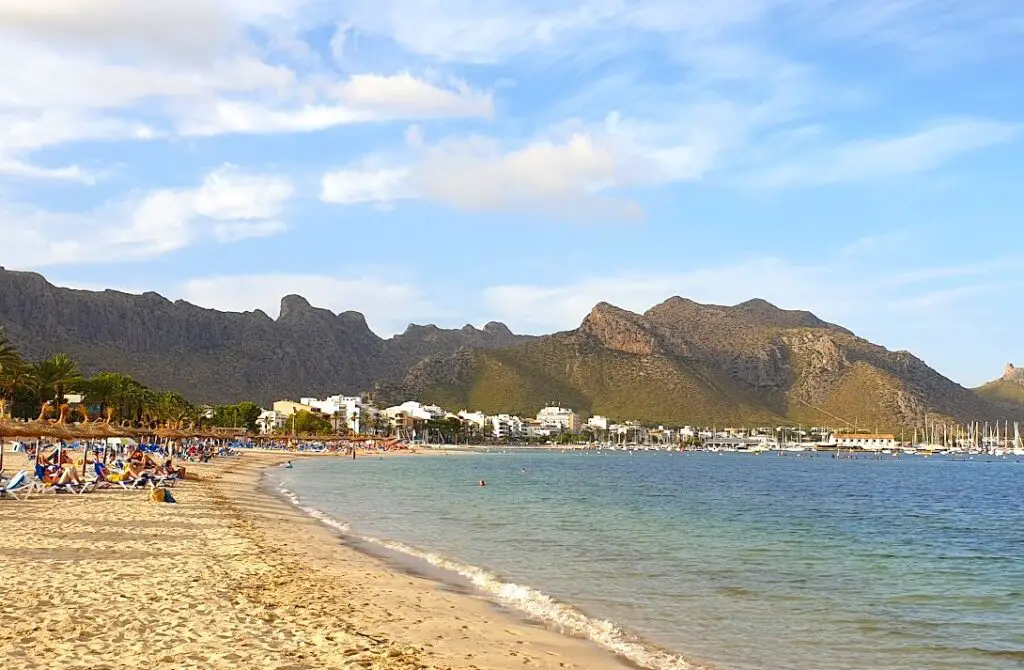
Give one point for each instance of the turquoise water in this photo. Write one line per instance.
(731, 561)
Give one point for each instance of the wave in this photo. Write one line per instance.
(536, 604)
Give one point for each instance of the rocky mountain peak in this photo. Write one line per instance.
(354, 319)
(293, 306)
(619, 329)
(1013, 374)
(758, 304)
(497, 328)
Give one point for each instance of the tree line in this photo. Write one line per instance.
(30, 390)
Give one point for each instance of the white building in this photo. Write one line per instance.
(348, 407)
(415, 410)
(270, 420)
(505, 426)
(536, 432)
(559, 418)
(598, 422)
(477, 419)
(866, 441)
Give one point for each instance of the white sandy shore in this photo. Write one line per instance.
(233, 578)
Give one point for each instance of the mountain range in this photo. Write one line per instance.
(679, 362)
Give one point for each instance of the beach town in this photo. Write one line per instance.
(138, 529)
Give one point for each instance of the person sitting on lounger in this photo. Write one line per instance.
(69, 475)
(47, 473)
(102, 474)
(134, 472)
(169, 470)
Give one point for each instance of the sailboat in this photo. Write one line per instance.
(1018, 445)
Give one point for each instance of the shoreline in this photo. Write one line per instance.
(234, 577)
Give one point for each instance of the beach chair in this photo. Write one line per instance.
(20, 487)
(77, 489)
(134, 484)
(165, 480)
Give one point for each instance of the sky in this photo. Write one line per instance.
(462, 161)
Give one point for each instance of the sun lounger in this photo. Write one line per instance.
(137, 483)
(70, 487)
(20, 487)
(166, 480)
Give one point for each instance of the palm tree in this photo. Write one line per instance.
(102, 390)
(55, 376)
(13, 373)
(8, 354)
(169, 407)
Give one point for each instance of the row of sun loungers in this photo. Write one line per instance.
(23, 485)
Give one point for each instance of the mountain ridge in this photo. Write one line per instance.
(215, 356)
(678, 362)
(706, 364)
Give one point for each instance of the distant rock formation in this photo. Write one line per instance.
(679, 362)
(684, 362)
(213, 356)
(1013, 374)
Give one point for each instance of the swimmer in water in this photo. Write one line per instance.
(288, 464)
(523, 471)
(483, 483)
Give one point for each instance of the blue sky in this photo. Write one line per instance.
(457, 161)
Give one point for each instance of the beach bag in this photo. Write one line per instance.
(162, 495)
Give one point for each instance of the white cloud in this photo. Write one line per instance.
(562, 177)
(404, 96)
(91, 69)
(23, 132)
(228, 194)
(236, 231)
(364, 99)
(229, 206)
(183, 28)
(565, 177)
(226, 117)
(876, 159)
(388, 304)
(366, 184)
(18, 169)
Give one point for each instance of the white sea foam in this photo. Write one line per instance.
(530, 601)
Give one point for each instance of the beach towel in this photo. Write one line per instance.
(162, 495)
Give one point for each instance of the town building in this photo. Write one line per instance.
(561, 419)
(415, 410)
(506, 426)
(866, 441)
(598, 422)
(287, 407)
(535, 430)
(475, 419)
(270, 420)
(348, 408)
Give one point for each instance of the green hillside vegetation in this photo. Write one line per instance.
(862, 399)
(595, 380)
(1002, 391)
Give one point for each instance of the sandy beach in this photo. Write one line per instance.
(232, 577)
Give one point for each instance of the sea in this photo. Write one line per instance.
(695, 560)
